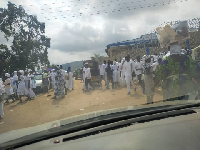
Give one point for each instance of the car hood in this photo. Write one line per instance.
(38, 82)
(15, 134)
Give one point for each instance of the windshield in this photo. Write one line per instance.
(38, 77)
(94, 55)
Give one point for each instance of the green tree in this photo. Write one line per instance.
(97, 57)
(30, 45)
(53, 66)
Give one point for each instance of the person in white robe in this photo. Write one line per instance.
(128, 73)
(21, 91)
(31, 86)
(8, 88)
(32, 83)
(123, 82)
(30, 94)
(102, 73)
(2, 90)
(118, 74)
(32, 79)
(115, 73)
(71, 79)
(26, 79)
(15, 84)
(52, 76)
(139, 69)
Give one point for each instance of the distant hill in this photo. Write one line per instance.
(74, 65)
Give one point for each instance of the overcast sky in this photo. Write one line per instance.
(102, 22)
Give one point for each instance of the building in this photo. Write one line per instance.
(138, 46)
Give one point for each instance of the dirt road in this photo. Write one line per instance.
(43, 109)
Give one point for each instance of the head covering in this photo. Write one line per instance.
(15, 73)
(29, 70)
(123, 60)
(31, 76)
(7, 75)
(21, 71)
(58, 66)
(69, 69)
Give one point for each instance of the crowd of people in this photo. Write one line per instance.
(174, 71)
(128, 71)
(153, 71)
(21, 83)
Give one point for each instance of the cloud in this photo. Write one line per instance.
(79, 37)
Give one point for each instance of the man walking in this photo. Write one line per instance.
(138, 70)
(128, 73)
(102, 72)
(87, 76)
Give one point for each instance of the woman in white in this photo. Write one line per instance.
(15, 84)
(32, 84)
(115, 73)
(21, 91)
(2, 90)
(71, 79)
(53, 75)
(8, 87)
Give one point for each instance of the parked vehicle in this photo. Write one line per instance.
(39, 84)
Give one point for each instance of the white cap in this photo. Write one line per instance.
(29, 70)
(22, 72)
(7, 75)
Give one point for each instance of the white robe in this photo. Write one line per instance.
(123, 82)
(21, 87)
(30, 93)
(128, 66)
(115, 73)
(66, 80)
(8, 88)
(53, 80)
(71, 81)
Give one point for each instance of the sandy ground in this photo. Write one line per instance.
(43, 109)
